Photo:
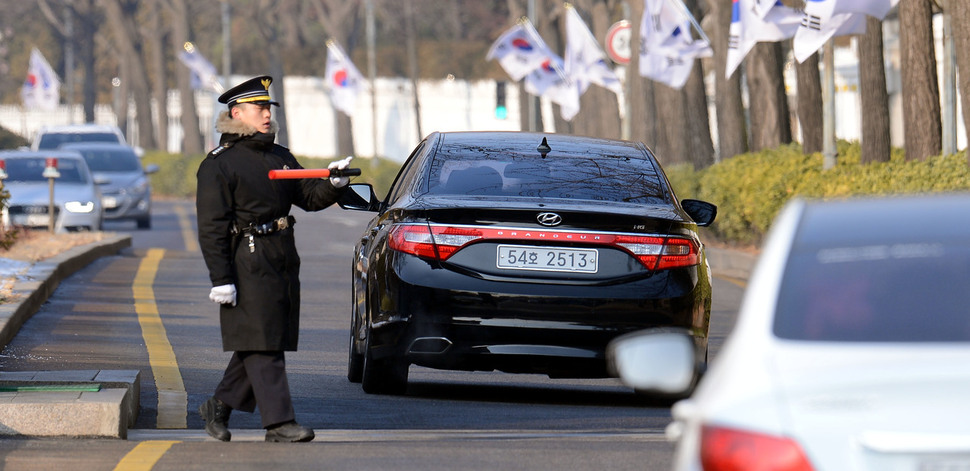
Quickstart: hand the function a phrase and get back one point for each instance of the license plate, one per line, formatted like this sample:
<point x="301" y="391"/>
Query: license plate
<point x="528" y="257"/>
<point x="31" y="220"/>
<point x="109" y="202"/>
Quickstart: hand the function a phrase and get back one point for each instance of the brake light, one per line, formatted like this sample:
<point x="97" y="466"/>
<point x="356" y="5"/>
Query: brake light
<point x="440" y="242"/>
<point x="659" y="253"/>
<point x="726" y="449"/>
<point x="437" y="242"/>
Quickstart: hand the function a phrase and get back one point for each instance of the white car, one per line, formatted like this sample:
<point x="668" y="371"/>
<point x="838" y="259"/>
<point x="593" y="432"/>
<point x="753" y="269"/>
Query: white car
<point x="77" y="198"/>
<point x="851" y="349"/>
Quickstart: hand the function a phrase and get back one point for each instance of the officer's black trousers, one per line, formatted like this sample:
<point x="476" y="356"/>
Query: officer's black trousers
<point x="258" y="379"/>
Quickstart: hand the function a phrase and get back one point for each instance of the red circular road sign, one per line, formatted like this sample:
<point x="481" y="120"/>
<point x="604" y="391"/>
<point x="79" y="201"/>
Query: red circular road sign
<point x="618" y="42"/>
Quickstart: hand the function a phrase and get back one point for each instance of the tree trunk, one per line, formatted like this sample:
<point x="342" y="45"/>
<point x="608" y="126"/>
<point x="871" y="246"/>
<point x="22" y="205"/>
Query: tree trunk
<point x="732" y="135"/>
<point x="876" y="141"/>
<point x="672" y="114"/>
<point x="156" y="57"/>
<point x="768" y="103"/>
<point x="87" y="25"/>
<point x="810" y="104"/>
<point x="599" y="112"/>
<point x="960" y="19"/>
<point x="128" y="43"/>
<point x="178" y="35"/>
<point x="922" y="127"/>
<point x="700" y="147"/>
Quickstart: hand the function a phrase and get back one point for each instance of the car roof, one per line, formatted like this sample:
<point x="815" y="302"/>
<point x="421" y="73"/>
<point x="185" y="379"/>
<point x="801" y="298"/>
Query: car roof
<point x="866" y="221"/>
<point x="79" y="128"/>
<point x="95" y="145"/>
<point x="528" y="142"/>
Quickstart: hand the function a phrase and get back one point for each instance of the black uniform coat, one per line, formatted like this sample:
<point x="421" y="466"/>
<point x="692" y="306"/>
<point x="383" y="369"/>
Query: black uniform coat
<point x="234" y="187"/>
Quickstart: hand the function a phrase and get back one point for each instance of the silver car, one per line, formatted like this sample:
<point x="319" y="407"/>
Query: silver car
<point x="850" y="350"/>
<point x="77" y="198"/>
<point x="127" y="195"/>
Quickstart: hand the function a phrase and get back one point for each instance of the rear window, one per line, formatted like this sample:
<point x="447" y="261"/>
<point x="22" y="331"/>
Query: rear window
<point x="114" y="160"/>
<point x="585" y="177"/>
<point x="32" y="170"/>
<point x="905" y="292"/>
<point x="54" y="140"/>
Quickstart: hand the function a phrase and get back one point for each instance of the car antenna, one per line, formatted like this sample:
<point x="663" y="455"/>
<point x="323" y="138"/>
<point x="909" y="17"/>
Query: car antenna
<point x="544" y="148"/>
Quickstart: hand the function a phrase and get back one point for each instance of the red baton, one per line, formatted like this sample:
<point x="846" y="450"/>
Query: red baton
<point x="312" y="173"/>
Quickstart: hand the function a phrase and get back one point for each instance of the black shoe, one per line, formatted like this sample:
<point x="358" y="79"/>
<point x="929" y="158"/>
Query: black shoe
<point x="289" y="432"/>
<point x="215" y="413"/>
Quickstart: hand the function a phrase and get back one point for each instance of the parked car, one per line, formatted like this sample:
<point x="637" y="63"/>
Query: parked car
<point x="52" y="137"/>
<point x="850" y="350"/>
<point x="77" y="198"/>
<point x="128" y="193"/>
<point x="524" y="253"/>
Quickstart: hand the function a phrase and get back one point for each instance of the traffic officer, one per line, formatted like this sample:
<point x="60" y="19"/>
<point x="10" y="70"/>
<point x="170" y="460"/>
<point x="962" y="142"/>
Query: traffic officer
<point x="246" y="237"/>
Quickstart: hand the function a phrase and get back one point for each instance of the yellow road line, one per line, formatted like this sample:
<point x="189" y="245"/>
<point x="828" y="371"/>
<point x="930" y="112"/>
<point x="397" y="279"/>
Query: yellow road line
<point x="736" y="281"/>
<point x="144" y="456"/>
<point x="188" y="235"/>
<point x="172" y="399"/>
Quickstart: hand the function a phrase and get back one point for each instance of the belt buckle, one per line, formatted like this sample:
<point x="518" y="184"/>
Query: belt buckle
<point x="282" y="223"/>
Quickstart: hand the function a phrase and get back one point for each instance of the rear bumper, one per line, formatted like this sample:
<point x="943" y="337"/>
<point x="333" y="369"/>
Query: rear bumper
<point x="442" y="319"/>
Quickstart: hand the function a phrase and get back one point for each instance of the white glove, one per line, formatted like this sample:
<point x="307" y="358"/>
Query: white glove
<point x="339" y="182"/>
<point x="225" y="294"/>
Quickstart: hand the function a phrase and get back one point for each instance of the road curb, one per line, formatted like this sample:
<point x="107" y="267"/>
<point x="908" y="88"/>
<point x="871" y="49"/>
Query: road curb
<point x="43" y="409"/>
<point x="34" y="287"/>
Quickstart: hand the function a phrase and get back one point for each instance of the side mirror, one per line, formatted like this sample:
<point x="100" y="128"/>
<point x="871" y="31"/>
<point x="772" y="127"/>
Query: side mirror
<point x="655" y="361"/>
<point x="360" y="197"/>
<point x="702" y="212"/>
<point x="150" y="169"/>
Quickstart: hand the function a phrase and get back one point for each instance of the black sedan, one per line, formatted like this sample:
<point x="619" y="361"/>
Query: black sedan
<point x="523" y="253"/>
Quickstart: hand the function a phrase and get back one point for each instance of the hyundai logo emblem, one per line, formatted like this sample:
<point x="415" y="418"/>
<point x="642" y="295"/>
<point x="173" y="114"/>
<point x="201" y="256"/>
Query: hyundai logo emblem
<point x="549" y="219"/>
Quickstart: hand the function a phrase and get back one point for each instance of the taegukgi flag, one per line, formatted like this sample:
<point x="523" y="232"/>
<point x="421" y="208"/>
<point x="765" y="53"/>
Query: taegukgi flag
<point x="824" y="19"/>
<point x="41" y="90"/>
<point x="585" y="61"/>
<point x="519" y="50"/>
<point x="550" y="82"/>
<point x="204" y="74"/>
<point x="668" y="50"/>
<point x="342" y="78"/>
<point x="747" y="28"/>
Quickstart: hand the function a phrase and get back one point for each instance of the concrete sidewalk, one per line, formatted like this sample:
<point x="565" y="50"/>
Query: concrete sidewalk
<point x="89" y="403"/>
<point x="105" y="403"/>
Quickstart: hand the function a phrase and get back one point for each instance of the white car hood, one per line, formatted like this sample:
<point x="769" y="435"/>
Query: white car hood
<point x="39" y="193"/>
<point x="874" y="406"/>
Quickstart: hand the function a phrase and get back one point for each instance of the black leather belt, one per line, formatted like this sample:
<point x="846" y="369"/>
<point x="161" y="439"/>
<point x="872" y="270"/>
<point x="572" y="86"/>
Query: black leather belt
<point x="275" y="225"/>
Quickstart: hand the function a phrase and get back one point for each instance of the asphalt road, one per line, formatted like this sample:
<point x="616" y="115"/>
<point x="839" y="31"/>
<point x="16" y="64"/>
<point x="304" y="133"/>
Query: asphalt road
<point x="447" y="420"/>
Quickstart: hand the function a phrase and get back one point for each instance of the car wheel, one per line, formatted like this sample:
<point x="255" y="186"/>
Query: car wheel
<point x="383" y="376"/>
<point x="355" y="360"/>
<point x="145" y="222"/>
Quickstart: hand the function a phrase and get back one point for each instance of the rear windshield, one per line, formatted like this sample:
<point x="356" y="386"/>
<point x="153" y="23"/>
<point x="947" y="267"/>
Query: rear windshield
<point x="586" y="177"/>
<point x="32" y="170"/>
<point x="110" y="160"/>
<point x="906" y="292"/>
<point x="54" y="140"/>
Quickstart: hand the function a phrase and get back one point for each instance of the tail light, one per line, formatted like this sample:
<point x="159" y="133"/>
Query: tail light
<point x="726" y="449"/>
<point x="439" y="242"/>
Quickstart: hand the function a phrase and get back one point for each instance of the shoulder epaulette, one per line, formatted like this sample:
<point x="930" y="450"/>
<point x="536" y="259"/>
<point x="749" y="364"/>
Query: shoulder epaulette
<point x="218" y="150"/>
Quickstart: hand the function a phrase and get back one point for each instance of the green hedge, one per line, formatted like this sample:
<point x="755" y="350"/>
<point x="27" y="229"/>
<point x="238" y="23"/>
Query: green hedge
<point x="750" y="189"/>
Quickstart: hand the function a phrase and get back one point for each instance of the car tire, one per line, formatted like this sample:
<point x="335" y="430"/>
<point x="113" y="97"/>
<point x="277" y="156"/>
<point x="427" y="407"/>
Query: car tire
<point x="144" y="222"/>
<point x="383" y="376"/>
<point x="358" y="315"/>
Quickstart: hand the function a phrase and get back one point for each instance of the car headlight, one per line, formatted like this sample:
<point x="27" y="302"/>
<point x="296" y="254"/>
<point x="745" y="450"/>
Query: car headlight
<point x="79" y="206"/>
<point x="138" y="187"/>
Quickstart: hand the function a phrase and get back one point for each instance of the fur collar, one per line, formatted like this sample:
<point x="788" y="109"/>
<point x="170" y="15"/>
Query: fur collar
<point x="226" y="125"/>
